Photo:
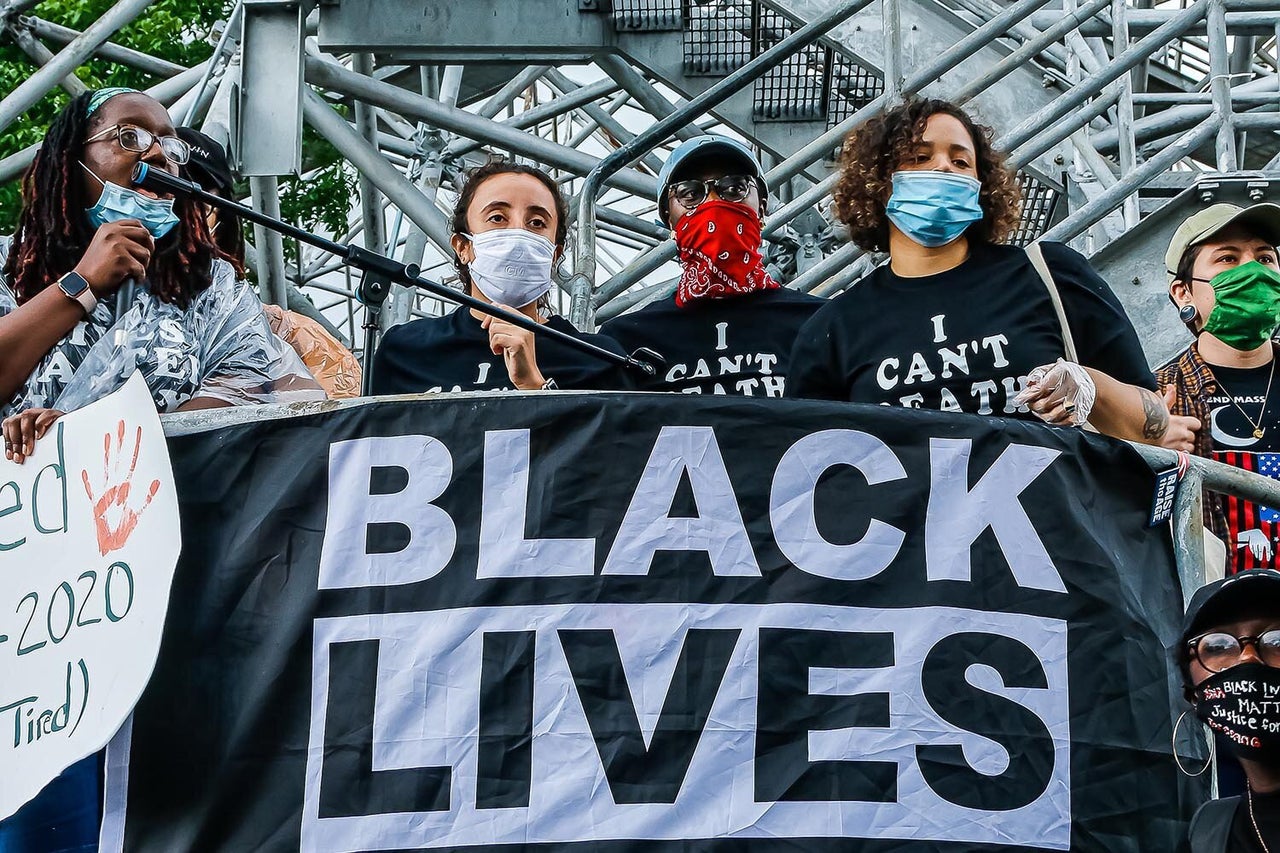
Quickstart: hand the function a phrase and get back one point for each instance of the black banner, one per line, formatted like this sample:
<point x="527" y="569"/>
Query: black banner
<point x="642" y="622"/>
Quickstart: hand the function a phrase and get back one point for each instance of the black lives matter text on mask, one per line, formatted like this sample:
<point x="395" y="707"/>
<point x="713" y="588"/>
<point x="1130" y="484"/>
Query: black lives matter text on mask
<point x="579" y="718"/>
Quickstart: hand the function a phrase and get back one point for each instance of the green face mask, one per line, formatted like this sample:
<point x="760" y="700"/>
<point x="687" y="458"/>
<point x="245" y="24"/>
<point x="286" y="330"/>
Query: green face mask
<point x="1247" y="306"/>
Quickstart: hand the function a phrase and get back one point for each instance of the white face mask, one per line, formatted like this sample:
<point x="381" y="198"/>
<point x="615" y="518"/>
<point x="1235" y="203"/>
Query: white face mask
<point x="511" y="266"/>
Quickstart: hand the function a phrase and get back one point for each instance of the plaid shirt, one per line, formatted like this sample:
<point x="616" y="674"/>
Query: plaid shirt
<point x="1193" y="378"/>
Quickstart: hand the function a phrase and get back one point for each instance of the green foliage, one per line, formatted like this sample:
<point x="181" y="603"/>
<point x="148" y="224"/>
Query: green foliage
<point x="179" y="31"/>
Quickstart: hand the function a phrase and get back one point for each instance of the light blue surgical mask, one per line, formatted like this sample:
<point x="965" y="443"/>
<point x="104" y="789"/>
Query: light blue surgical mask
<point x="117" y="202"/>
<point x="933" y="208"/>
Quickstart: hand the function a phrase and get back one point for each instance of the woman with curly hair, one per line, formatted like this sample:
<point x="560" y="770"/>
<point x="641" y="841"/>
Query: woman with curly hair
<point x="956" y="321"/>
<point x="102" y="279"/>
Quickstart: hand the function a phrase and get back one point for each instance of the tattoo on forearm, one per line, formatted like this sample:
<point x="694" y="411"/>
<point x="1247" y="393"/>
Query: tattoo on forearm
<point x="1157" y="416"/>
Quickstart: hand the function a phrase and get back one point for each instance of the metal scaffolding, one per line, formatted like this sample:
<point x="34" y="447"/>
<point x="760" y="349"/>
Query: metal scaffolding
<point x="1095" y="102"/>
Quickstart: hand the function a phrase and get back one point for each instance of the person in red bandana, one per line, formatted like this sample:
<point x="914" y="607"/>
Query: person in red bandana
<point x="728" y="327"/>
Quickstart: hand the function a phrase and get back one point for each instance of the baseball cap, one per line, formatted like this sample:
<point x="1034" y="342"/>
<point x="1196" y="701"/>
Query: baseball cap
<point x="702" y="149"/>
<point x="1262" y="219"/>
<point x="208" y="164"/>
<point x="1221" y="600"/>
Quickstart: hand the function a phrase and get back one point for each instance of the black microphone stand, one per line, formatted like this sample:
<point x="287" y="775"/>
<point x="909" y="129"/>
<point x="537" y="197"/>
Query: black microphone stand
<point x="377" y="274"/>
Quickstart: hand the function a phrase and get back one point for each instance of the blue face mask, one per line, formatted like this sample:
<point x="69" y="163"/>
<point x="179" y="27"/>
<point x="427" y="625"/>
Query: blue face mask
<point x="117" y="202"/>
<point x="933" y="208"/>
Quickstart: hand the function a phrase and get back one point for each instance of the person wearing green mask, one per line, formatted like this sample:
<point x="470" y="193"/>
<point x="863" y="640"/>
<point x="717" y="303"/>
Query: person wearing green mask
<point x="1221" y="390"/>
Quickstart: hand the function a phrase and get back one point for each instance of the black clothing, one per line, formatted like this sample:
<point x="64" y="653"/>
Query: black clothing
<point x="1224" y="826"/>
<point x="738" y="345"/>
<point x="451" y="353"/>
<point x="965" y="339"/>
<point x="1239" y="396"/>
<point x="1244" y="389"/>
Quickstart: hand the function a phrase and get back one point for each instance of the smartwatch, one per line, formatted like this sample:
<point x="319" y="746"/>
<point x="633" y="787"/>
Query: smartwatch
<point x="75" y="287"/>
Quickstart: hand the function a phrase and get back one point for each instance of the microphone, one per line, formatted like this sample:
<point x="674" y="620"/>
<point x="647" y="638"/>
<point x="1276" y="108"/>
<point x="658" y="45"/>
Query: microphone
<point x="125" y="295"/>
<point x="160" y="181"/>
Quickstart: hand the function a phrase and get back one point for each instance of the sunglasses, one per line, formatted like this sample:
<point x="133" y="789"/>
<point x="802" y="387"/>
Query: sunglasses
<point x="692" y="193"/>
<point x="1218" y="650"/>
<point x="139" y="141"/>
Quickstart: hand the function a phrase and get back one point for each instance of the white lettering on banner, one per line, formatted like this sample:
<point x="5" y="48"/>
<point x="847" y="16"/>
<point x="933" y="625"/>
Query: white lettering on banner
<point x="504" y="552"/>
<point x="792" y="504"/>
<point x="345" y="559"/>
<point x="717" y="529"/>
<point x="761" y="749"/>
<point x="954" y="518"/>
<point x="957" y="515"/>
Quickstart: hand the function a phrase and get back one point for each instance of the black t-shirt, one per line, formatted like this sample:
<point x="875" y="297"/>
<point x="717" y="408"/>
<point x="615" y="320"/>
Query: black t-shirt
<point x="451" y="353"/>
<point x="1239" y="399"/>
<point x="1266" y="810"/>
<point x="1242" y="393"/>
<point x="965" y="339"/>
<point x="738" y="345"/>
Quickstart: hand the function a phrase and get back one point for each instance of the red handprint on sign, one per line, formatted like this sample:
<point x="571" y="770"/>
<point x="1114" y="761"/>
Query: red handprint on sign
<point x="114" y="518"/>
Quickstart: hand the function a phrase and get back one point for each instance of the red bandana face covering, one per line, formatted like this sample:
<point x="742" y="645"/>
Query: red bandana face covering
<point x="719" y="245"/>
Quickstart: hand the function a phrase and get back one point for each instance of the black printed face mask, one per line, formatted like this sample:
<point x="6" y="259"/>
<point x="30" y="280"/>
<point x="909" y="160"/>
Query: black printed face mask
<point x="1243" y="705"/>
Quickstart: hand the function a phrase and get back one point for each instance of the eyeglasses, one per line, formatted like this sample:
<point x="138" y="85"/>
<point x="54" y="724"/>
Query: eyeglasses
<point x="1218" y="651"/>
<point x="693" y="192"/>
<point x="139" y="141"/>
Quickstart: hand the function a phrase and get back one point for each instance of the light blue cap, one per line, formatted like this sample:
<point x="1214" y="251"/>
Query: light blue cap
<point x="704" y="146"/>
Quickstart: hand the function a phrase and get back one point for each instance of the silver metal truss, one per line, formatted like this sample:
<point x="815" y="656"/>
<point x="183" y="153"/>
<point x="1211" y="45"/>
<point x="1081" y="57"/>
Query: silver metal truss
<point x="1096" y="101"/>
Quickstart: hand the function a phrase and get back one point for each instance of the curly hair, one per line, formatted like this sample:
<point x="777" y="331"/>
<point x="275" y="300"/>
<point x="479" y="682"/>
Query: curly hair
<point x="476" y="177"/>
<point x="53" y="231"/>
<point x="873" y="151"/>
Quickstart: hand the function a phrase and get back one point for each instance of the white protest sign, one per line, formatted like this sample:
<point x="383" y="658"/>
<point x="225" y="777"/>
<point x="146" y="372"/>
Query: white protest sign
<point x="89" y="540"/>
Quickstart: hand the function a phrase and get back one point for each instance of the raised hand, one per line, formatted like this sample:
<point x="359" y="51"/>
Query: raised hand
<point x="518" y="351"/>
<point x="114" y="518"/>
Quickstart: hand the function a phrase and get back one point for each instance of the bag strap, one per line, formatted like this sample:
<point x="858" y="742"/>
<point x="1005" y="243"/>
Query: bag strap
<point x="1036" y="256"/>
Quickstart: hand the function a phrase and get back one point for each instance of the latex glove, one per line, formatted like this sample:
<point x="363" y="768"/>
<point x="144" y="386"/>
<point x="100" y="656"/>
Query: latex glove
<point x="1061" y="393"/>
<point x="1257" y="543"/>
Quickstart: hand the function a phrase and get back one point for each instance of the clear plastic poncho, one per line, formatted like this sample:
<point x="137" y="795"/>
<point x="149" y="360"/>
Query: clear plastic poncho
<point x="219" y="347"/>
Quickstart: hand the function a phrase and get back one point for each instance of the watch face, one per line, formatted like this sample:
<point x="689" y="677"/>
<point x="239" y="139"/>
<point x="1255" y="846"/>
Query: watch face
<point x="73" y="284"/>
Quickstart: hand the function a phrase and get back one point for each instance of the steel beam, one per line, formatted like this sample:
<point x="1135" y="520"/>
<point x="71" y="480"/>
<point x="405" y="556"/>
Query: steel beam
<point x="1219" y="87"/>
<point x="1142" y="22"/>
<point x="107" y="50"/>
<point x="271" y="278"/>
<point x="42" y="56"/>
<point x="369" y="161"/>
<point x="371" y="205"/>
<point x="1124" y="113"/>
<point x="1073" y="99"/>
<point x="498" y="102"/>
<point x="328" y="74"/>
<point x="576" y="98"/>
<point x="1093" y="212"/>
<point x="643" y="92"/>
<point x="30" y="91"/>
<point x="950" y="58"/>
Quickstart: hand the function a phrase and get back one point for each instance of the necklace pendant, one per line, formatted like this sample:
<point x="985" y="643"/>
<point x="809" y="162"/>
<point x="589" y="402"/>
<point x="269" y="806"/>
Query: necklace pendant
<point x="1257" y="433"/>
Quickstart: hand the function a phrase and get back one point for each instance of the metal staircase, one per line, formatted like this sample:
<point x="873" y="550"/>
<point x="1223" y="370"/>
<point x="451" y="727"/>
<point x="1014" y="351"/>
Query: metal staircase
<point x="1111" y="112"/>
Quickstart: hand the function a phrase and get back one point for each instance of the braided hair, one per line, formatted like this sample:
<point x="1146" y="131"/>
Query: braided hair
<point x="53" y="231"/>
